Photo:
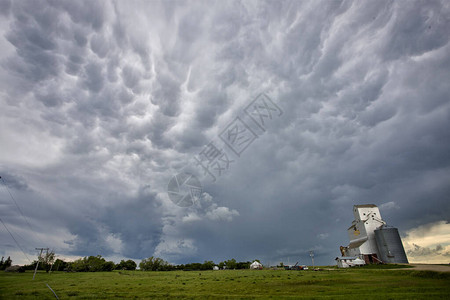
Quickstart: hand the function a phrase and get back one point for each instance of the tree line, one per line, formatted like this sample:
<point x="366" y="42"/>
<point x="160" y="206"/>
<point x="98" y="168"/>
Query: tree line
<point x="158" y="264"/>
<point x="99" y="264"/>
<point x="84" y="264"/>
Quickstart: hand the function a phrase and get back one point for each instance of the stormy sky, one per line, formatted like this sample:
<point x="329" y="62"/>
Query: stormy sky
<point x="102" y="102"/>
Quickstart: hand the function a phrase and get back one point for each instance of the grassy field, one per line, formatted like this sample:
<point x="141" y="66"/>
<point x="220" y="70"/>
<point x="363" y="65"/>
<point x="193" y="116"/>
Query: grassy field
<point x="236" y="284"/>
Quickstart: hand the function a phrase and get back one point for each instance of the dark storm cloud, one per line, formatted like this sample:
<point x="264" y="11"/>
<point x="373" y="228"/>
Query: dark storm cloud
<point x="5" y="7"/>
<point x="139" y="229"/>
<point x="13" y="182"/>
<point x="136" y="223"/>
<point x="104" y="101"/>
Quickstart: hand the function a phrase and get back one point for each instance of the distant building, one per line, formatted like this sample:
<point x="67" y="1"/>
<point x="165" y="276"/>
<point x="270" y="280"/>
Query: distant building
<point x="256" y="266"/>
<point x="371" y="239"/>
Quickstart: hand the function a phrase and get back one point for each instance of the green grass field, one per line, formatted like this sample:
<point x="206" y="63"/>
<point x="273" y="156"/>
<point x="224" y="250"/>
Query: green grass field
<point x="237" y="284"/>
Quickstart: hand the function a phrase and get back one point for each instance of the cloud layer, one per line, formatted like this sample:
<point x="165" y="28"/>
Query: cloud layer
<point x="102" y="102"/>
<point x="428" y="243"/>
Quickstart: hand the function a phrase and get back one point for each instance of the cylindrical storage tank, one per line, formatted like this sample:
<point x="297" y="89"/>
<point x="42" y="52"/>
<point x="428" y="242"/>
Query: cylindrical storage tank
<point x="390" y="245"/>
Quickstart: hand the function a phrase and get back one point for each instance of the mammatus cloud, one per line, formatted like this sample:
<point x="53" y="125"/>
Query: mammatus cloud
<point x="102" y="102"/>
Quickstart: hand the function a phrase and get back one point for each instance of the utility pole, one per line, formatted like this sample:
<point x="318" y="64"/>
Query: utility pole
<point x="39" y="259"/>
<point x="311" y="253"/>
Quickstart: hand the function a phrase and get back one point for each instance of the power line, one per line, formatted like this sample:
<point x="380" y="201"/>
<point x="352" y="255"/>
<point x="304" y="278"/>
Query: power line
<point x="14" y="200"/>
<point x="18" y="235"/>
<point x="18" y="245"/>
<point x="20" y="210"/>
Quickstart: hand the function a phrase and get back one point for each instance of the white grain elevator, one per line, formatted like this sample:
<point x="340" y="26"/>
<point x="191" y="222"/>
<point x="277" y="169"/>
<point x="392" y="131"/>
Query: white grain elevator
<point x="371" y="239"/>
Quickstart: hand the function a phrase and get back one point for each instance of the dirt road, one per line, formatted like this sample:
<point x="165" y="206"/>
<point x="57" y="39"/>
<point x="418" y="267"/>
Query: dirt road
<point x="437" y="268"/>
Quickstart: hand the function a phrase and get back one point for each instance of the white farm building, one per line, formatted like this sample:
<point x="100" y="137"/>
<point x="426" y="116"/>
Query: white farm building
<point x="346" y="262"/>
<point x="256" y="265"/>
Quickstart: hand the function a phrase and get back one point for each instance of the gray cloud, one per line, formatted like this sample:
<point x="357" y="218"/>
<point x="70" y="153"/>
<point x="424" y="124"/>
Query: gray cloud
<point x="427" y="251"/>
<point x="102" y="102"/>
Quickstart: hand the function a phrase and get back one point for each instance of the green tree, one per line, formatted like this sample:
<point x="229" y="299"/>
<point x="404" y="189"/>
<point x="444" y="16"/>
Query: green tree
<point x="5" y="264"/>
<point x="243" y="265"/>
<point x="60" y="265"/>
<point x="95" y="263"/>
<point x="79" y="265"/>
<point x="231" y="263"/>
<point x="208" y="265"/>
<point x="126" y="265"/>
<point x="47" y="259"/>
<point x="108" y="266"/>
<point x="154" y="264"/>
<point x="92" y="264"/>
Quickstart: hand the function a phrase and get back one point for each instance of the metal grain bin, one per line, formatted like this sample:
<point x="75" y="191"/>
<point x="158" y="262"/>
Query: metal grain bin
<point x="390" y="245"/>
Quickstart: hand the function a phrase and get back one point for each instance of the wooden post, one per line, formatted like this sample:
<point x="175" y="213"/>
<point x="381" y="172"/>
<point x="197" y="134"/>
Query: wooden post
<point x="39" y="259"/>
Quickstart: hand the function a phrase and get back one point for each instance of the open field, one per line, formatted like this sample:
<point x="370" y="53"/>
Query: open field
<point x="236" y="284"/>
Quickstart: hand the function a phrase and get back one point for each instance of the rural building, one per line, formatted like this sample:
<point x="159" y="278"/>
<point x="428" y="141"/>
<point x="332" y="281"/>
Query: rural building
<point x="256" y="266"/>
<point x="371" y="239"/>
<point x="346" y="262"/>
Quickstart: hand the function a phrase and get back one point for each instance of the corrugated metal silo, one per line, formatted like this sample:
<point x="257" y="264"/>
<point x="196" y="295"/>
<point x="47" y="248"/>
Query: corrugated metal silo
<point x="390" y="245"/>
